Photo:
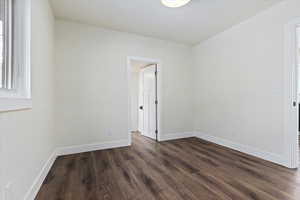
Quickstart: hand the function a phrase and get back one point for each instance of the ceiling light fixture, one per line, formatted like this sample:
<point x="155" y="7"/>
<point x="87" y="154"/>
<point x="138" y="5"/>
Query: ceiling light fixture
<point x="175" y="3"/>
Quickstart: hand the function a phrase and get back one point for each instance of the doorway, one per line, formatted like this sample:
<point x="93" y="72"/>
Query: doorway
<point x="298" y="81"/>
<point x="143" y="90"/>
<point x="292" y="94"/>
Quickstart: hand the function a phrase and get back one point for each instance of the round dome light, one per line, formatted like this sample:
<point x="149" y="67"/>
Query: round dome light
<point x="175" y="3"/>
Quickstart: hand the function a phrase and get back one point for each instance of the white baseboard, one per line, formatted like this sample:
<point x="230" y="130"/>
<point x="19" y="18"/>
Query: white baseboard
<point x="175" y="136"/>
<point x="34" y="189"/>
<point x="122" y="143"/>
<point x="275" y="158"/>
<point x="91" y="147"/>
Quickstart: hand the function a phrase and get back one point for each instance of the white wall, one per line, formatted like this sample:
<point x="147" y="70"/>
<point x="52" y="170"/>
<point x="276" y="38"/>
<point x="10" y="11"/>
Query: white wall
<point x="27" y="137"/>
<point x="239" y="80"/>
<point x="91" y="82"/>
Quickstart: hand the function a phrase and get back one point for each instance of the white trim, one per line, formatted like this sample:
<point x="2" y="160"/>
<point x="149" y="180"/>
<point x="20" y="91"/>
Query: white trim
<point x="91" y="147"/>
<point x="8" y="104"/>
<point x="291" y="146"/>
<point x="275" y="158"/>
<point x="175" y="136"/>
<point x="159" y="92"/>
<point x="35" y="187"/>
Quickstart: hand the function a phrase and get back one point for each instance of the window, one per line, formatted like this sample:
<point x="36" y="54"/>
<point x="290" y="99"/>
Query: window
<point x="6" y="45"/>
<point x="14" y="54"/>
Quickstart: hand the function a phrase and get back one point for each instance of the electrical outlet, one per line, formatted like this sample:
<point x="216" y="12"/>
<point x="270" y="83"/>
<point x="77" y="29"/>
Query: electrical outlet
<point x="108" y="132"/>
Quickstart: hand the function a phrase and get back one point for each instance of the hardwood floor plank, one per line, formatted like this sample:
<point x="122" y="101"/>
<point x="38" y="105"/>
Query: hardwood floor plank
<point x="255" y="172"/>
<point x="88" y="177"/>
<point x="107" y="186"/>
<point x="184" y="169"/>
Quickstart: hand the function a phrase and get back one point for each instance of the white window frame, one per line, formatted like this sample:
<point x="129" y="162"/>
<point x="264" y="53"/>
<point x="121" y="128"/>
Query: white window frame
<point x="20" y="97"/>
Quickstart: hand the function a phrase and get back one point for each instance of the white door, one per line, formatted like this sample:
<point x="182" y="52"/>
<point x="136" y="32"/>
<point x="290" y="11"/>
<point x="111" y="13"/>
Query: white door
<point x="149" y="98"/>
<point x="141" y="103"/>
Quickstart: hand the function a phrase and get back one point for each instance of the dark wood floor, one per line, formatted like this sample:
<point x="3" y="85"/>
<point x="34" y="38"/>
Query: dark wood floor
<point x="185" y="169"/>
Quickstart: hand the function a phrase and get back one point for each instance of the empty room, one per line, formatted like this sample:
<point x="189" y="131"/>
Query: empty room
<point x="149" y="99"/>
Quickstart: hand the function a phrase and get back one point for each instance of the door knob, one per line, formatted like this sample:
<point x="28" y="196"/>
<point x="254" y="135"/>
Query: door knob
<point x="141" y="107"/>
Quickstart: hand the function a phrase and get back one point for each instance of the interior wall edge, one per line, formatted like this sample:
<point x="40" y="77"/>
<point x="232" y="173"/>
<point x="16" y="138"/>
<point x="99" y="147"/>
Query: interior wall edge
<point x="175" y="136"/>
<point x="268" y="156"/>
<point x="68" y="150"/>
<point x="38" y="181"/>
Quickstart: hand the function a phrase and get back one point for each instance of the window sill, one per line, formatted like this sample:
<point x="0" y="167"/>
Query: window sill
<point x="13" y="104"/>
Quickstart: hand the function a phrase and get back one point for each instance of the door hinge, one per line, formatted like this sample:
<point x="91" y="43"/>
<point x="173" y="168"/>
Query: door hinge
<point x="155" y="73"/>
<point x="156" y="102"/>
<point x="294" y="103"/>
<point x="156" y="131"/>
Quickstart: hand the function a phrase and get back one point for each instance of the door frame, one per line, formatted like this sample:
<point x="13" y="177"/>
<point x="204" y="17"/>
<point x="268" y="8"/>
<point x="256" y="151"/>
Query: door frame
<point x="158" y="90"/>
<point x="291" y="113"/>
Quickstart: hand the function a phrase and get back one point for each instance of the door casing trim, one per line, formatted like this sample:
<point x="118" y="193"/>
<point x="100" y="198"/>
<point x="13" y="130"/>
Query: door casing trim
<point x="291" y="143"/>
<point x="159" y="92"/>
